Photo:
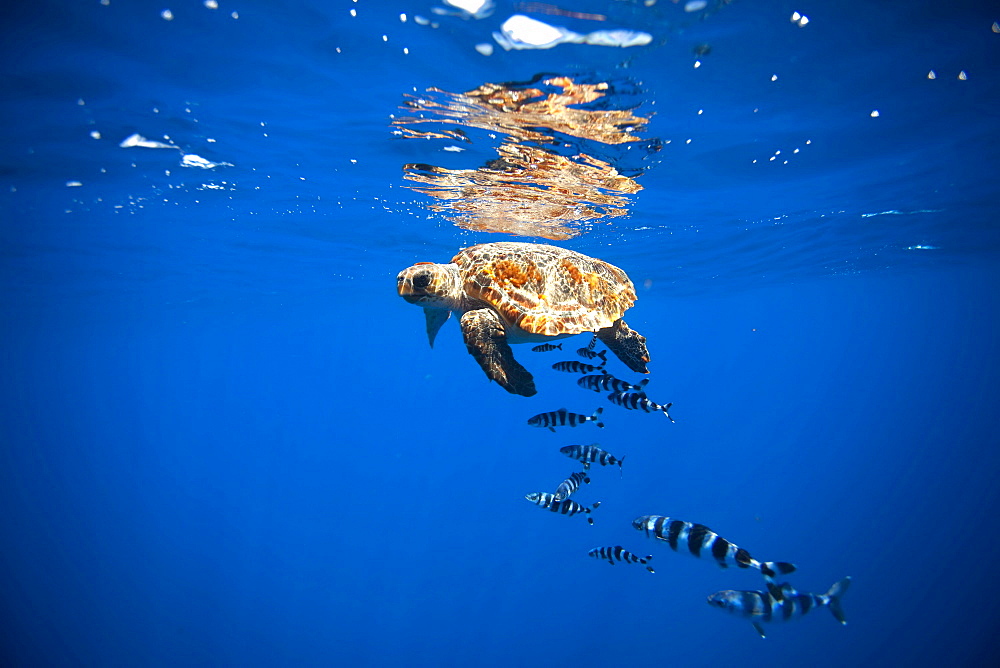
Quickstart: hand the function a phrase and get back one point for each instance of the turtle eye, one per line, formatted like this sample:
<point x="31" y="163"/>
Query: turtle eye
<point x="422" y="280"/>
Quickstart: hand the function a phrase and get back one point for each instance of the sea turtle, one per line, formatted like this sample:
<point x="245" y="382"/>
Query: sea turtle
<point x="509" y="292"/>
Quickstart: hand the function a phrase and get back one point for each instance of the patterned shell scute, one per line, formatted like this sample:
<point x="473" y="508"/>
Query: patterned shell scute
<point x="545" y="289"/>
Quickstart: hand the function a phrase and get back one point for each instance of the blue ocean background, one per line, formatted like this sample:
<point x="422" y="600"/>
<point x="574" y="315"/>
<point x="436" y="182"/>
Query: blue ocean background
<point x="224" y="440"/>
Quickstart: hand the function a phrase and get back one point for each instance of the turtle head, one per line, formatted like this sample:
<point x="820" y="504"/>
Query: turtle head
<point x="430" y="285"/>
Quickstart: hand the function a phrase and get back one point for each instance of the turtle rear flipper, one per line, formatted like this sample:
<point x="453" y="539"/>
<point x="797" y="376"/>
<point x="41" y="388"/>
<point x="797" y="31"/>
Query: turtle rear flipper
<point x="486" y="339"/>
<point x="627" y="344"/>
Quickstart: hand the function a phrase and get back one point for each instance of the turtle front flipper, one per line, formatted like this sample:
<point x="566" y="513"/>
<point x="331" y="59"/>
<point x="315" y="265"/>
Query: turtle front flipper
<point x="435" y="317"/>
<point x="486" y="339"/>
<point x="627" y="344"/>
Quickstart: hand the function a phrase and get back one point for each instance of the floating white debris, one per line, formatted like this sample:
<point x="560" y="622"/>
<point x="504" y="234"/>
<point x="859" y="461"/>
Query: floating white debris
<point x="167" y="15"/>
<point x="931" y="75"/>
<point x="996" y="27"/>
<point x="874" y="113"/>
<point x="799" y="19"/>
<point x="523" y="32"/>
<point x="454" y="149"/>
<point x="95" y="134"/>
<point x="211" y="4"/>
<point x="73" y="184"/>
<point x="622" y="38"/>
<point x="477" y="9"/>
<point x="485" y="48"/>
<point x="140" y="141"/>
<point x="192" y="160"/>
<point x="695" y="5"/>
<point x="962" y="75"/>
<point x="235" y="15"/>
<point x="922" y="247"/>
<point x="697" y="64"/>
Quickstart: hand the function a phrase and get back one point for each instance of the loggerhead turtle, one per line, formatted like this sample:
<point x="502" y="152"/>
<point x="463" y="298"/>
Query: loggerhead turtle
<point x="509" y="292"/>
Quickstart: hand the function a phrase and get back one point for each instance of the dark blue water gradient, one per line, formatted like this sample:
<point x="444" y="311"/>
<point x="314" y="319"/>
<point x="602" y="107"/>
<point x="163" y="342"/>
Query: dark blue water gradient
<point x="224" y="439"/>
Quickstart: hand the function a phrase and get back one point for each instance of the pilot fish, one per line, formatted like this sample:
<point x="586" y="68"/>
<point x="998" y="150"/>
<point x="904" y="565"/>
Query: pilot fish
<point x="546" y="347"/>
<point x="639" y="401"/>
<point x="698" y="539"/>
<point x="761" y="606"/>
<point x="590" y="353"/>
<point x="591" y="453"/>
<point x="618" y="553"/>
<point x="570" y="485"/>
<point x="562" y="417"/>
<point x="566" y="506"/>
<point x="605" y="382"/>
<point x="576" y="366"/>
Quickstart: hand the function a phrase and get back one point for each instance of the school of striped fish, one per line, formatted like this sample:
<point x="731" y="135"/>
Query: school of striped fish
<point x="778" y="601"/>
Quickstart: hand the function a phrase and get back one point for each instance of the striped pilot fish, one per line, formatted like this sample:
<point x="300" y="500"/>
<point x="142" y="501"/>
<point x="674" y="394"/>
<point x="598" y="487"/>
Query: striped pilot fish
<point x="698" y="539"/>
<point x="591" y="453"/>
<point x="638" y="401"/>
<point x="605" y="382"/>
<point x="570" y="485"/>
<point x="566" y="506"/>
<point x="590" y="353"/>
<point x="618" y="553"/>
<point x="762" y="606"/>
<point x="562" y="417"/>
<point x="546" y="347"/>
<point x="576" y="366"/>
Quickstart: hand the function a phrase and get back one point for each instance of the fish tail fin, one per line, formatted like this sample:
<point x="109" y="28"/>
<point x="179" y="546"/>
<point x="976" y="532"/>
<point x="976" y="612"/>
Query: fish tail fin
<point x="597" y="504"/>
<point x="620" y="473"/>
<point x="558" y="345"/>
<point x="596" y="417"/>
<point x="650" y="569"/>
<point x="666" y="407"/>
<point x="833" y="597"/>
<point x="641" y="384"/>
<point x="604" y="357"/>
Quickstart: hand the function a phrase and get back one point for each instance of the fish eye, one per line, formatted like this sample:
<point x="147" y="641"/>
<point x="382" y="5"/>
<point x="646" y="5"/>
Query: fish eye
<point x="422" y="280"/>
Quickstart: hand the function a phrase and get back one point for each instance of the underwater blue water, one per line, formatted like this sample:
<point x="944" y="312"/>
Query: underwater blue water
<point x="224" y="439"/>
